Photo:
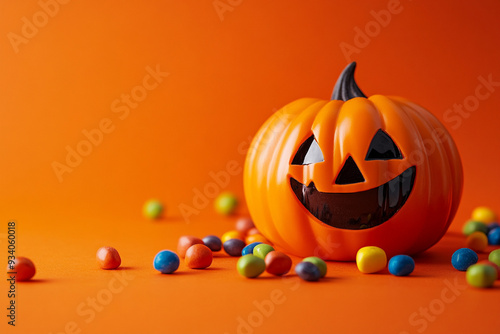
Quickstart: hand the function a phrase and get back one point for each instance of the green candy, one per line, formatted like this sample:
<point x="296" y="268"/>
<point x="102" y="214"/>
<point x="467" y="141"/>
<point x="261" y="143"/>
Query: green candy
<point x="318" y="263"/>
<point x="495" y="257"/>
<point x="250" y="266"/>
<point x="226" y="203"/>
<point x="472" y="226"/>
<point x="261" y="250"/>
<point x="481" y="275"/>
<point x="152" y="209"/>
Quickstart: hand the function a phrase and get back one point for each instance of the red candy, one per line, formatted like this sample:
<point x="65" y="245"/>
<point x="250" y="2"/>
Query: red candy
<point x="185" y="242"/>
<point x="198" y="257"/>
<point x="108" y="258"/>
<point x="278" y="263"/>
<point x="23" y="267"/>
<point x="244" y="224"/>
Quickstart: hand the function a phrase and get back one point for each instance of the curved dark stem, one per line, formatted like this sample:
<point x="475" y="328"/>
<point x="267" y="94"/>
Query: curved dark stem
<point x="346" y="87"/>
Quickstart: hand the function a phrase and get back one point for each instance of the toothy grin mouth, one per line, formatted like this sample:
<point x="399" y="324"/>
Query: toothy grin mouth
<point x="358" y="210"/>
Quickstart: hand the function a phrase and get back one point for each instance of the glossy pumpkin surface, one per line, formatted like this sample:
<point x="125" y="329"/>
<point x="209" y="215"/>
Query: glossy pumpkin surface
<point x="325" y="178"/>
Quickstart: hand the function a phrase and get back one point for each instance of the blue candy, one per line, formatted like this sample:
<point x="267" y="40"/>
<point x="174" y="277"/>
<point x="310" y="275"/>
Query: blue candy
<point x="494" y="236"/>
<point x="308" y="271"/>
<point x="492" y="226"/>
<point x="213" y="242"/>
<point x="249" y="248"/>
<point x="401" y="265"/>
<point x="166" y="262"/>
<point x="463" y="258"/>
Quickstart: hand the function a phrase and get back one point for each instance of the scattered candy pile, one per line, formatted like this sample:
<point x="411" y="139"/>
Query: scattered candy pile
<point x="257" y="255"/>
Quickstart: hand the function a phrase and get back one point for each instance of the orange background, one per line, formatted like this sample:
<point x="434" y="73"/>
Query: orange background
<point x="225" y="78"/>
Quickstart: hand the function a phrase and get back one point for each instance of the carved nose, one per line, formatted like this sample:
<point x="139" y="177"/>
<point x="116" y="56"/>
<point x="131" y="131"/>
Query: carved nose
<point x="349" y="173"/>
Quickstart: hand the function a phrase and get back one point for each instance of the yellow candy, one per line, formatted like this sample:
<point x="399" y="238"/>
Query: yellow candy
<point x="233" y="234"/>
<point x="371" y="259"/>
<point x="484" y="215"/>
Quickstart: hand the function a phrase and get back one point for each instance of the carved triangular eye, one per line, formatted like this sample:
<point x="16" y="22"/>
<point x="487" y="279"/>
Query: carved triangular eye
<point x="383" y="147"/>
<point x="308" y="153"/>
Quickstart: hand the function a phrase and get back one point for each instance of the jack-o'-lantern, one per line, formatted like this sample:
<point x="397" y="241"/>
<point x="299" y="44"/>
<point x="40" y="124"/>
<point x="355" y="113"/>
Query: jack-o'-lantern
<point x="326" y="178"/>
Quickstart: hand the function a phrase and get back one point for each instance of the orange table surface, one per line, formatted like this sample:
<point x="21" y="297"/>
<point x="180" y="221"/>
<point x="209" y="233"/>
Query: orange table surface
<point x="71" y="295"/>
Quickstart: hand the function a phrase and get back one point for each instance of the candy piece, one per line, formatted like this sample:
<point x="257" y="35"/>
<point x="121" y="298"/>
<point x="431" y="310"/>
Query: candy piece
<point x="234" y="247"/>
<point x="308" y="271"/>
<point x="249" y="248"/>
<point x="250" y="266"/>
<point x="463" y="258"/>
<point x="244" y="224"/>
<point x="494" y="236"/>
<point x="477" y="241"/>
<point x="233" y="234"/>
<point x="166" y="262"/>
<point x="401" y="265"/>
<point x="226" y="203"/>
<point x="261" y="250"/>
<point x="185" y="242"/>
<point x="319" y="263"/>
<point x="198" y="257"/>
<point x="23" y="267"/>
<point x="472" y="226"/>
<point x="493" y="264"/>
<point x="492" y="226"/>
<point x="371" y="259"/>
<point x="256" y="238"/>
<point x="153" y="209"/>
<point x="484" y="215"/>
<point x="481" y="275"/>
<point x="108" y="258"/>
<point x="212" y="242"/>
<point x="278" y="263"/>
<point x="253" y="231"/>
<point x="495" y="257"/>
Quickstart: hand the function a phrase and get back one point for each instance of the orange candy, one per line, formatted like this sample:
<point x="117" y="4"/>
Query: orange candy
<point x="244" y="224"/>
<point x="198" y="257"/>
<point x="24" y="268"/>
<point x="278" y="263"/>
<point x="477" y="241"/>
<point x="256" y="238"/>
<point x="233" y="234"/>
<point x="108" y="258"/>
<point x="185" y="242"/>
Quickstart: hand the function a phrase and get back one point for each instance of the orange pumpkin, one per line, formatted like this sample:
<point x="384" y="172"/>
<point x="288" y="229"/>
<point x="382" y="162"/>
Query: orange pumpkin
<point x="326" y="178"/>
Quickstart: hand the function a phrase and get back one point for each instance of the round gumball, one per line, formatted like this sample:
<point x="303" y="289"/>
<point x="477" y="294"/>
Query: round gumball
<point x="226" y="203"/>
<point x="185" y="242"/>
<point x="244" y="224"/>
<point x="278" y="263"/>
<point x="153" y="209"/>
<point x="371" y="259"/>
<point x="401" y="265"/>
<point x="481" y="275"/>
<point x="23" y="268"/>
<point x="250" y="266"/>
<point x="166" y="262"/>
<point x="213" y="242"/>
<point x="198" y="257"/>
<point x="234" y="247"/>
<point x="319" y="263"/>
<point x="477" y="241"/>
<point x="108" y="258"/>
<point x="463" y="258"/>
<point x="308" y="271"/>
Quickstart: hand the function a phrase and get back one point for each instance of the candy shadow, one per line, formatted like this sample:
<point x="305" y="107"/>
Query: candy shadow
<point x="36" y="280"/>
